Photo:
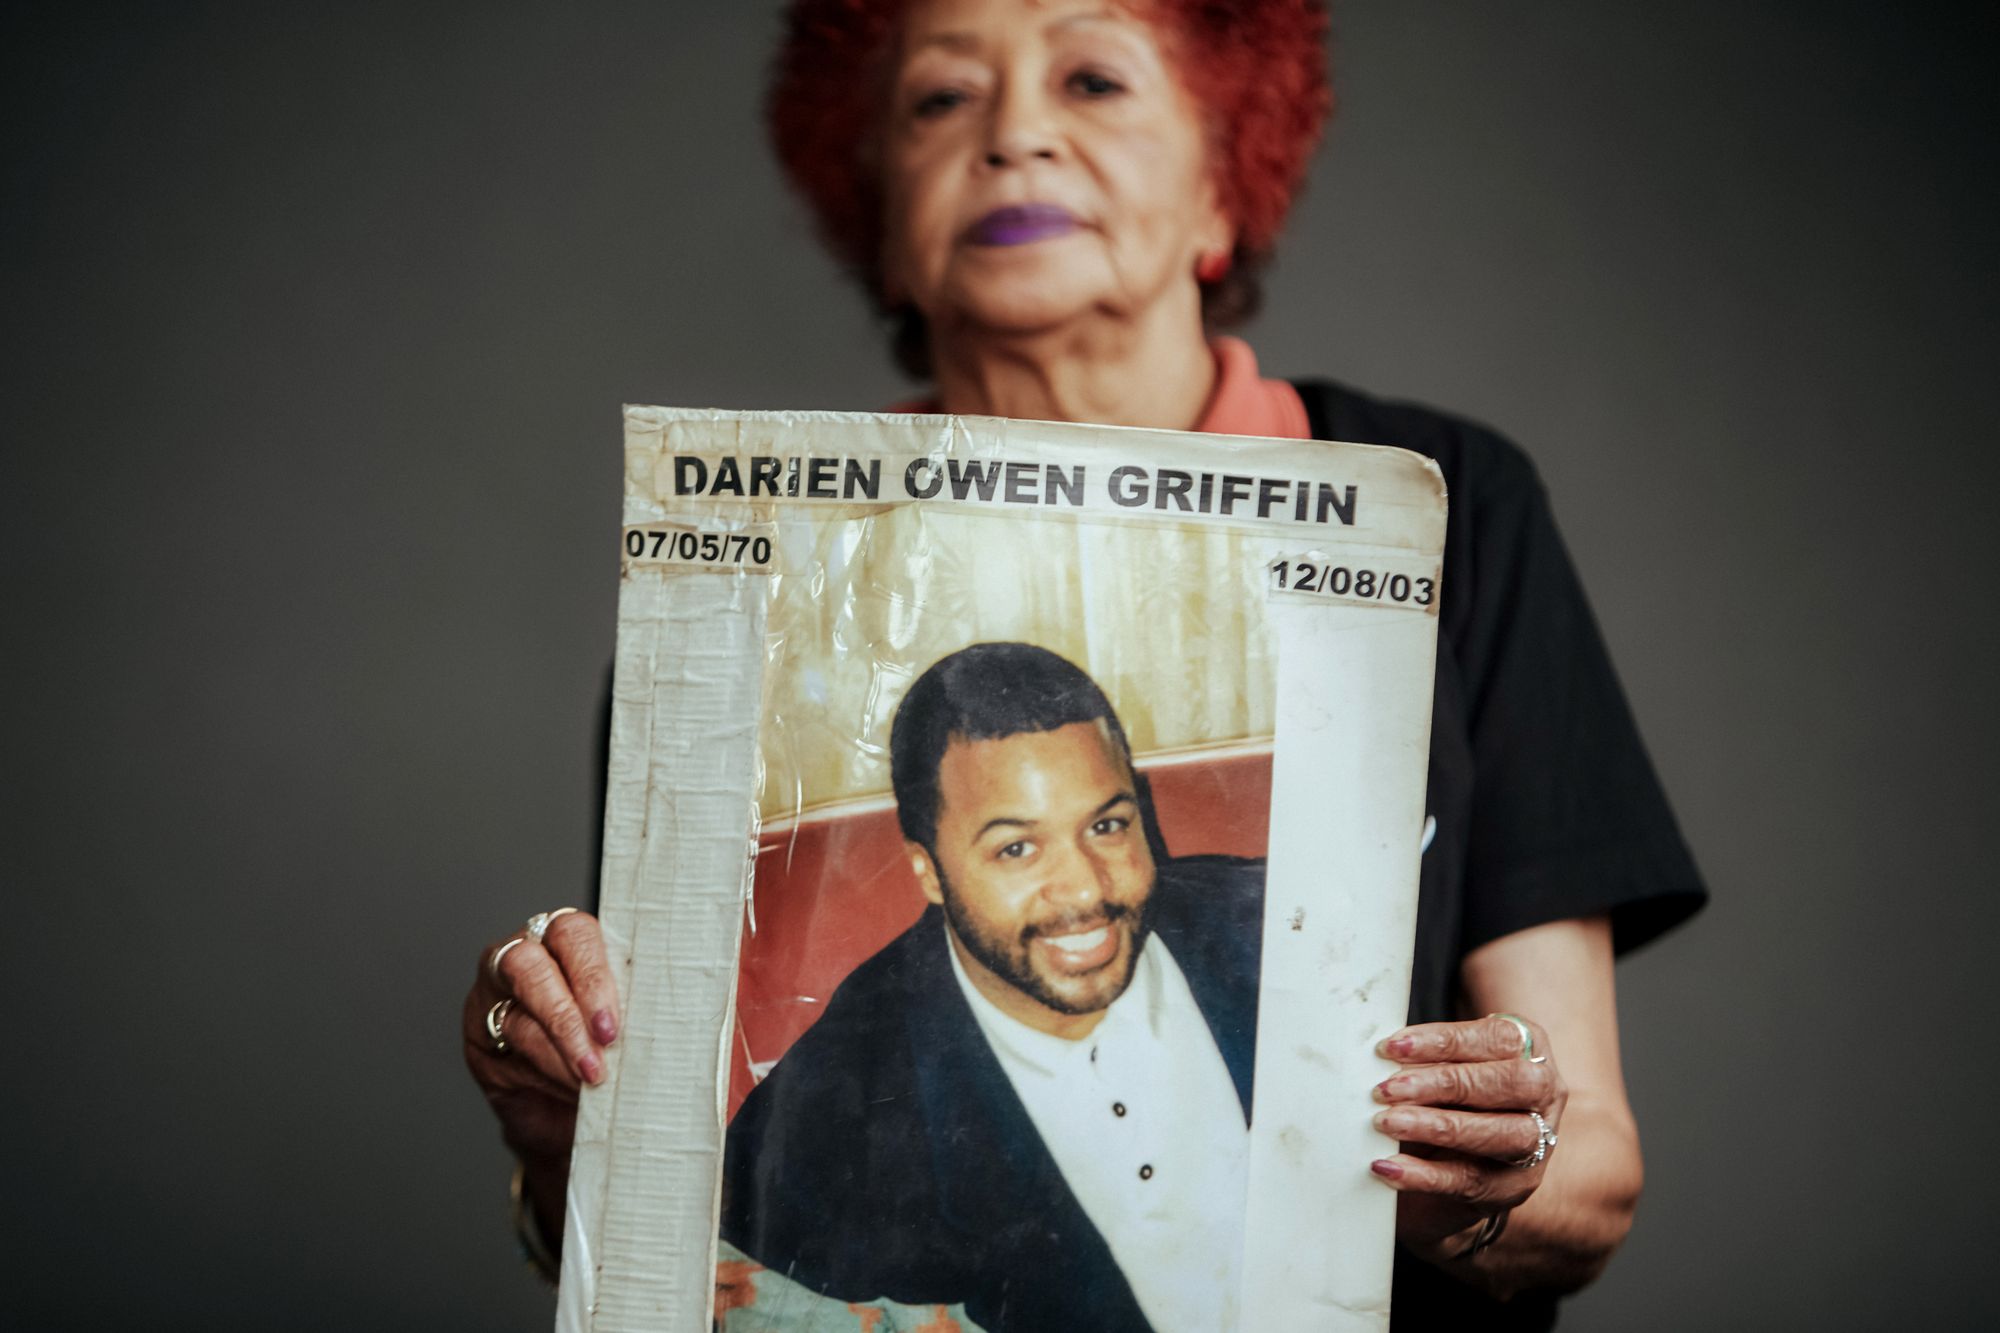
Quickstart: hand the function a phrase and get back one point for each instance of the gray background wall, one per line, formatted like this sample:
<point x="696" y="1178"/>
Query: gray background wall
<point x="316" y="325"/>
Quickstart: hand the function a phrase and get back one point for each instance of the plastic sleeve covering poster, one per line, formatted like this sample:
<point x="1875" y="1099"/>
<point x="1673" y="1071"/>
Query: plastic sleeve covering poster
<point x="1010" y="863"/>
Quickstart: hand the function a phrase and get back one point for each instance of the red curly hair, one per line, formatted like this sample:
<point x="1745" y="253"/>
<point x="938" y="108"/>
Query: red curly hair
<point x="1260" y="76"/>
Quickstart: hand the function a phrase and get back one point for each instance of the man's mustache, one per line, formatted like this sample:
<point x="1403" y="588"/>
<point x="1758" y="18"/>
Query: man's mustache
<point x="1076" y="923"/>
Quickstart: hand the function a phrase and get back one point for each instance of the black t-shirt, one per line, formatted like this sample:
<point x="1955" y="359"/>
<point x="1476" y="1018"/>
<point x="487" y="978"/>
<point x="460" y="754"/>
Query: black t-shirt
<point x="1547" y="808"/>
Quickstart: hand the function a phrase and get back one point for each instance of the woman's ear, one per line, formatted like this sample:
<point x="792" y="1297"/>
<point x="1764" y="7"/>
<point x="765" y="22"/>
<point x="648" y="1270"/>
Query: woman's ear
<point x="1220" y="239"/>
<point x="1215" y="240"/>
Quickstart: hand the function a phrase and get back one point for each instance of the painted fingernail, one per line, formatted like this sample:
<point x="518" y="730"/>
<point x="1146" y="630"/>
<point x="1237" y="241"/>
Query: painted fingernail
<point x="1391" y="1088"/>
<point x="1398" y="1046"/>
<point x="592" y="1068"/>
<point x="1388" y="1121"/>
<point x="1386" y="1169"/>
<point x="604" y="1027"/>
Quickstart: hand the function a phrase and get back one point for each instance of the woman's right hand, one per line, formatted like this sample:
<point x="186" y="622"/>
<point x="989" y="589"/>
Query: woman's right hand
<point x="564" y="1013"/>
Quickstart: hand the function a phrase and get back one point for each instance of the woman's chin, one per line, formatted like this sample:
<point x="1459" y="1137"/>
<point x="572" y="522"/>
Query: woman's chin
<point x="1022" y="290"/>
<point x="1019" y="310"/>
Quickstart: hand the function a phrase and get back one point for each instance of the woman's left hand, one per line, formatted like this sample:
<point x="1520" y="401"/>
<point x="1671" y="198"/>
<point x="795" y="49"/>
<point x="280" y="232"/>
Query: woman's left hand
<point x="1461" y="1109"/>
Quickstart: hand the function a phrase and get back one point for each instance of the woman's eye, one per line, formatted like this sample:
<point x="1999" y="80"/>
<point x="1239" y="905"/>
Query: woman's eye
<point x="1093" y="84"/>
<point x="1111" y="824"/>
<point x="1013" y="851"/>
<point x="937" y="102"/>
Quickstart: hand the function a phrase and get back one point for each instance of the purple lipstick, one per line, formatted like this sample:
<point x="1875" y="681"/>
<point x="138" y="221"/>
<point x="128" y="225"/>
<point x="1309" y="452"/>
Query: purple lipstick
<point x="1021" y="224"/>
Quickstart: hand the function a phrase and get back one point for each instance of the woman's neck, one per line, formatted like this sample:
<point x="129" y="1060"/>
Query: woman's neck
<point x="1153" y="372"/>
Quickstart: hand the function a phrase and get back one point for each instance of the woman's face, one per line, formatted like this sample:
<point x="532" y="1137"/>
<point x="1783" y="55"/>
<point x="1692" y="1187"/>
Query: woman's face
<point x="1042" y="163"/>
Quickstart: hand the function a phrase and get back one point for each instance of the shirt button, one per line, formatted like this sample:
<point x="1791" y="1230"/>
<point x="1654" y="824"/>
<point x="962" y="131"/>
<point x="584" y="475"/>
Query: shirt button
<point x="1118" y="1108"/>
<point x="1145" y="1173"/>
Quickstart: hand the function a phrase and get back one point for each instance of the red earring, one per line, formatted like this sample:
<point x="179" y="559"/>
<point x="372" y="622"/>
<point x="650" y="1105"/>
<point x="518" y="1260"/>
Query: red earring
<point x="1212" y="267"/>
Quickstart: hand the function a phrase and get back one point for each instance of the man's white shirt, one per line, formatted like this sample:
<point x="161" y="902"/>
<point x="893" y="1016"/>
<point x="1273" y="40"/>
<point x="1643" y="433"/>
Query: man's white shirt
<point x="1144" y="1121"/>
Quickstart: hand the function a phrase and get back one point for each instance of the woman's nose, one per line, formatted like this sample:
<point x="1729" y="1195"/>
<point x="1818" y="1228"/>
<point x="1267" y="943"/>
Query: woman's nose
<point x="1020" y="129"/>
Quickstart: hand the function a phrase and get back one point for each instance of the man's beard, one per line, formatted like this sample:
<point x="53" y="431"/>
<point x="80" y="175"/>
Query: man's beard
<point x="1009" y="959"/>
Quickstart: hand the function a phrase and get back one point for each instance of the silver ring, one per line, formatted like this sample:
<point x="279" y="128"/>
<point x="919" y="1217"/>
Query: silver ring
<point x="493" y="961"/>
<point x="539" y="923"/>
<point x="1527" y="1039"/>
<point x="1545" y="1143"/>
<point x="496" y="1021"/>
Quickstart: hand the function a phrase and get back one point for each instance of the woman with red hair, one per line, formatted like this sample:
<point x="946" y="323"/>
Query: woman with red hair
<point x="1256" y="95"/>
<point x="1059" y="205"/>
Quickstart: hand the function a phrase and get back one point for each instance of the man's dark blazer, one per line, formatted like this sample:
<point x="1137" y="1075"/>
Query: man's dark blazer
<point x="887" y="1154"/>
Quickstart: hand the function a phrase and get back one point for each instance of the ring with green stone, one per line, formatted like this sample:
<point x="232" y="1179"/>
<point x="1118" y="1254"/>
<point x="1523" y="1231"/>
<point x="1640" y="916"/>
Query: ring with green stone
<point x="1527" y="1039"/>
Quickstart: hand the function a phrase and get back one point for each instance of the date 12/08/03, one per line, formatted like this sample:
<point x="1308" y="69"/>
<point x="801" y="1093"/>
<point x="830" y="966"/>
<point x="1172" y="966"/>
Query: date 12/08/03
<point x="1365" y="585"/>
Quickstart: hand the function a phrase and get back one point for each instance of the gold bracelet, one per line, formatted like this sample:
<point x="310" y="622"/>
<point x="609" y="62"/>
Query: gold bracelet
<point x="528" y="1231"/>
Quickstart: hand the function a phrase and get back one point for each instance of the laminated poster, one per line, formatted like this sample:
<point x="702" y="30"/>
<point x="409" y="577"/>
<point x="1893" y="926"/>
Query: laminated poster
<point x="1010" y="861"/>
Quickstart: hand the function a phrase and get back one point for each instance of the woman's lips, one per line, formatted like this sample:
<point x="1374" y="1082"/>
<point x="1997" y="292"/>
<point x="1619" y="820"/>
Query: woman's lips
<point x="1021" y="224"/>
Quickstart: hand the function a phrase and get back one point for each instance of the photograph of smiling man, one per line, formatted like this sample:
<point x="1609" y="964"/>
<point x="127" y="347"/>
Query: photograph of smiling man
<point x="1034" y="1100"/>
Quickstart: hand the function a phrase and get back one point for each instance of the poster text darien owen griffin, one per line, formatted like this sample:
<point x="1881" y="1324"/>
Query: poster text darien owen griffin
<point x="992" y="481"/>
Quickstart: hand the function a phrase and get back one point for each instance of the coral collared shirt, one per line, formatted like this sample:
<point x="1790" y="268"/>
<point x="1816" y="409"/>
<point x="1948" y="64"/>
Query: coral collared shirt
<point x="1244" y="403"/>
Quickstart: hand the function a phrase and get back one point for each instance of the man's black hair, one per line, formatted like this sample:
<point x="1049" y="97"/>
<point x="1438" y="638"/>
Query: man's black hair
<point x="986" y="692"/>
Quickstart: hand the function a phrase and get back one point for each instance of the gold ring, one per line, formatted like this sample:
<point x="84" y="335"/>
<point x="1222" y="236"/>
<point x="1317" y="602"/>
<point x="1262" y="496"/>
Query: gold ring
<point x="496" y="1022"/>
<point x="493" y="963"/>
